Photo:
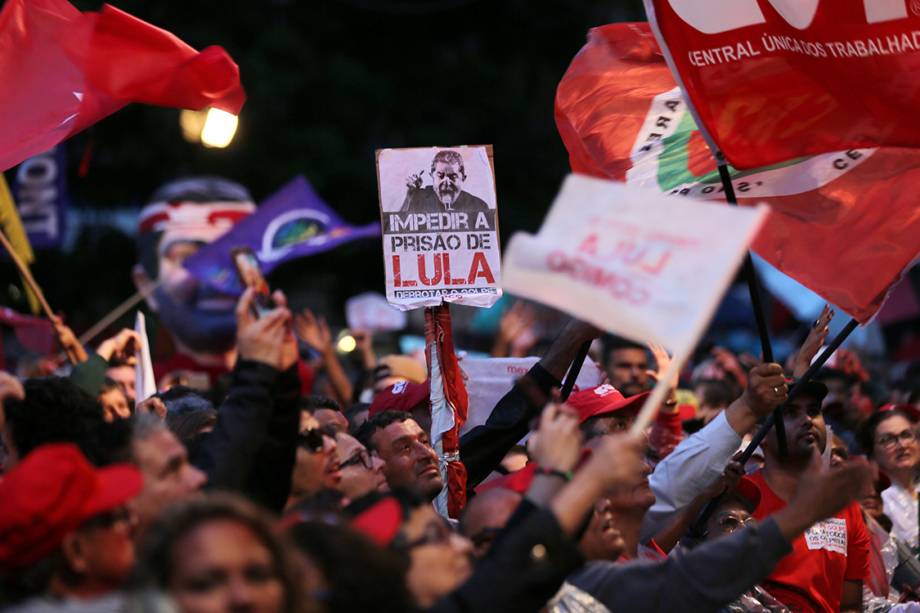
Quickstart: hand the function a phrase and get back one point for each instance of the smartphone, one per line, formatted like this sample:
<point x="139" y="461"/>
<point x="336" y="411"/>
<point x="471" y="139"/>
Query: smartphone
<point x="250" y="274"/>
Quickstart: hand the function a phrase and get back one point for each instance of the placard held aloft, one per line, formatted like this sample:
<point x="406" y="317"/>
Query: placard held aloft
<point x="632" y="261"/>
<point x="440" y="226"/>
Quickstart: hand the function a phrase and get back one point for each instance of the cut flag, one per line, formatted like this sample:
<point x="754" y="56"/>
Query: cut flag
<point x="12" y="227"/>
<point x="64" y="70"/>
<point x="292" y="223"/>
<point x="844" y="224"/>
<point x="449" y="408"/>
<point x="145" y="384"/>
<point x="773" y="80"/>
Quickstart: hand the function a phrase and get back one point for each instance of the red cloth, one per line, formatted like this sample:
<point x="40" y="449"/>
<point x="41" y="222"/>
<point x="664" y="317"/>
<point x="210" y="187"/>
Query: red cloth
<point x="811" y="577"/>
<point x="666" y="434"/>
<point x="621" y="117"/>
<point x="64" y="70"/>
<point x="769" y="104"/>
<point x="439" y="339"/>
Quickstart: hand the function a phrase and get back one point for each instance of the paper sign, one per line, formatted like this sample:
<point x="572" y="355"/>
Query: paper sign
<point x="632" y="261"/>
<point x="488" y="379"/>
<point x="372" y="312"/>
<point x="440" y="226"/>
<point x="145" y="384"/>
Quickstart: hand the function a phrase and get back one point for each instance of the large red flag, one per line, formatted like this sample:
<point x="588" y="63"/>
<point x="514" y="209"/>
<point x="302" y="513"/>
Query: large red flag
<point x="845" y="224"/>
<point x="773" y="80"/>
<point x="63" y="70"/>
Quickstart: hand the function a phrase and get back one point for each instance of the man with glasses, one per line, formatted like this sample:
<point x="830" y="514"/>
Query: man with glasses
<point x="889" y="438"/>
<point x="362" y="471"/>
<point x="67" y="529"/>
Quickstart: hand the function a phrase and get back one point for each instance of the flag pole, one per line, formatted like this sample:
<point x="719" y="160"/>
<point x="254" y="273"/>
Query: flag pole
<point x="33" y="285"/>
<point x="768" y="423"/>
<point x="569" y="384"/>
<point x="753" y="283"/>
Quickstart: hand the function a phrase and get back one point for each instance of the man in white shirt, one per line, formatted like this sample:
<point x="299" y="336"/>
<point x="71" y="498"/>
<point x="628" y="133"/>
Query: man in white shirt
<point x="701" y="459"/>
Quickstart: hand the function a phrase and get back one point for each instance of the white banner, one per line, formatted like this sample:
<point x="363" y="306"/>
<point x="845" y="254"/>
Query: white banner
<point x="488" y="379"/>
<point x="632" y="261"/>
<point x="440" y="226"/>
<point x="145" y="384"/>
<point x="372" y="313"/>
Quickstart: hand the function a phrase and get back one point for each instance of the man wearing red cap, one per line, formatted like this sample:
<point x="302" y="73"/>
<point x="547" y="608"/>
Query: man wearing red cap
<point x="65" y="528"/>
<point x="408" y="397"/>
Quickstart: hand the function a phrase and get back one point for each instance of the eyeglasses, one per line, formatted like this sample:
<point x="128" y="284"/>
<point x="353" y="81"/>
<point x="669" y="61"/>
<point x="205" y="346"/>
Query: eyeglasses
<point x="888" y="440"/>
<point x="730" y="523"/>
<point x="435" y="533"/>
<point x="311" y="440"/>
<point x="362" y="457"/>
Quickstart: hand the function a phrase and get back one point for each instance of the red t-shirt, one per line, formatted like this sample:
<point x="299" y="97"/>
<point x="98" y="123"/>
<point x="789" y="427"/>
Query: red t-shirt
<point x="830" y="552"/>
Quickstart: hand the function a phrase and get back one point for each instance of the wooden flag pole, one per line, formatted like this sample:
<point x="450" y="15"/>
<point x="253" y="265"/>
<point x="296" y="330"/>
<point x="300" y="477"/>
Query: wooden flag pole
<point x="30" y="281"/>
<point x="26" y="275"/>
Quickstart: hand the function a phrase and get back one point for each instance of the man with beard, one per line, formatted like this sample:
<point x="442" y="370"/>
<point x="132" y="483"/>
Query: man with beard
<point x="828" y="564"/>
<point x="446" y="191"/>
<point x="626" y="365"/>
<point x="182" y="216"/>
<point x="410" y="461"/>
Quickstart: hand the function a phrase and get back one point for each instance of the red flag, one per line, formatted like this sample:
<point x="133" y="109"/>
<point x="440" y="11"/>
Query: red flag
<point x="845" y="224"/>
<point x="773" y="80"/>
<point x="449" y="406"/>
<point x="63" y="71"/>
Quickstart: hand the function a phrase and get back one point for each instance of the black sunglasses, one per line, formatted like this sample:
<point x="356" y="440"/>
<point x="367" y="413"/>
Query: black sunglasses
<point x="311" y="440"/>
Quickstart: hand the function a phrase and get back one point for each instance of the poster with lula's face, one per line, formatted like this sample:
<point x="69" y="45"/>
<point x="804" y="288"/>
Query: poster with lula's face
<point x="440" y="226"/>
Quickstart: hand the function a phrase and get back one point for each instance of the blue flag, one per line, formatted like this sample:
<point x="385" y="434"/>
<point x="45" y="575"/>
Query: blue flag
<point x="292" y="223"/>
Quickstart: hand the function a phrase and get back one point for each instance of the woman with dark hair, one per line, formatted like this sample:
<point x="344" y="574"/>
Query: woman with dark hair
<point x="889" y="438"/>
<point x="359" y="576"/>
<point x="220" y="553"/>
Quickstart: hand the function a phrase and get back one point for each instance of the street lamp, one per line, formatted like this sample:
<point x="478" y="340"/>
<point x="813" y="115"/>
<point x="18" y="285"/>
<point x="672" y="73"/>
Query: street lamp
<point x="211" y="127"/>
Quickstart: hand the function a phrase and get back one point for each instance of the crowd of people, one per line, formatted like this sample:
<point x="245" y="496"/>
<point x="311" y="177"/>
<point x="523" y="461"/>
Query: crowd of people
<point x="287" y="479"/>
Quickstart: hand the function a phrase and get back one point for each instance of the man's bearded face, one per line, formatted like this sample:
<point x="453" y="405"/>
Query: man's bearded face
<point x="448" y="181"/>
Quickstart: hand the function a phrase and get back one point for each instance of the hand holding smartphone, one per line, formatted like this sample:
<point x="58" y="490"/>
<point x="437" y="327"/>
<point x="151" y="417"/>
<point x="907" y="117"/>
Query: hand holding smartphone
<point x="250" y="274"/>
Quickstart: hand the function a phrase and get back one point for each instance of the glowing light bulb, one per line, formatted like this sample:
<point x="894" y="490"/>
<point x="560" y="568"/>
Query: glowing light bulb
<point x="219" y="128"/>
<point x="347" y="344"/>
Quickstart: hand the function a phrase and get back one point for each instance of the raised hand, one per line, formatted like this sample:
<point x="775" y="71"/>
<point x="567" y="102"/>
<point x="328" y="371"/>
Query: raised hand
<point x="313" y="331"/>
<point x="557" y="442"/>
<point x="766" y="389"/>
<point x="69" y="342"/>
<point x="813" y="342"/>
<point x="121" y="347"/>
<point x="268" y="339"/>
<point x="822" y="492"/>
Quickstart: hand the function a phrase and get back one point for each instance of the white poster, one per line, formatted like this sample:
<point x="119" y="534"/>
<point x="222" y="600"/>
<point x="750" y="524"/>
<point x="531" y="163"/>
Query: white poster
<point x="488" y="379"/>
<point x="632" y="261"/>
<point x="440" y="226"/>
<point x="372" y="313"/>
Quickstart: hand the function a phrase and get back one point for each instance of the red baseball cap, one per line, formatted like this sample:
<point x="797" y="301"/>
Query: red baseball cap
<point x="603" y="400"/>
<point x="401" y="396"/>
<point x="912" y="412"/>
<point x="50" y="494"/>
<point x="380" y="522"/>
<point x="747" y="489"/>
